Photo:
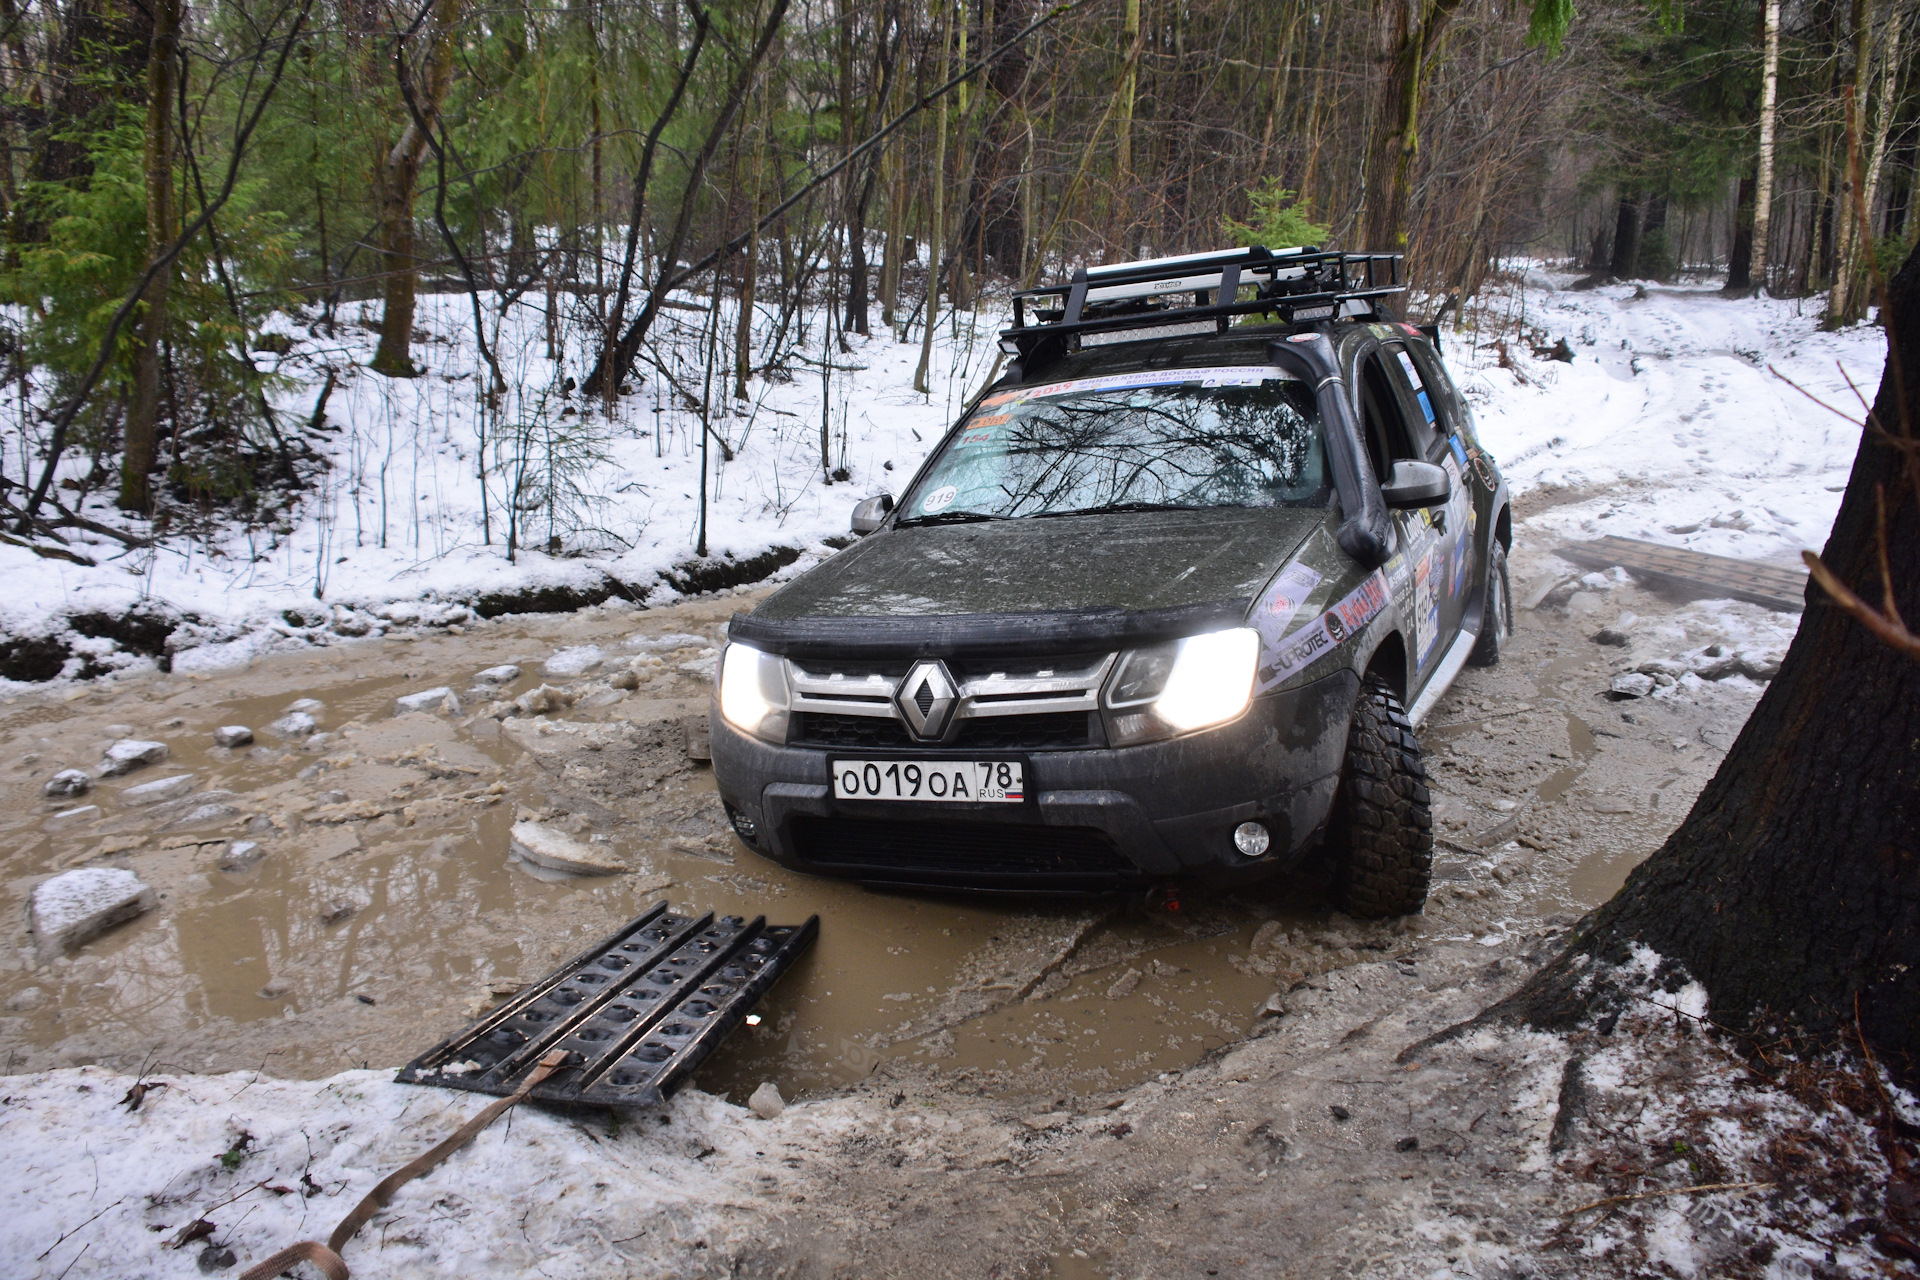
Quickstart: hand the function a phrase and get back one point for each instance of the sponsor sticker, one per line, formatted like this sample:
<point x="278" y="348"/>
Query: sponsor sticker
<point x="1296" y="652"/>
<point x="1426" y="609"/>
<point x="1283" y="599"/>
<point x="1251" y="375"/>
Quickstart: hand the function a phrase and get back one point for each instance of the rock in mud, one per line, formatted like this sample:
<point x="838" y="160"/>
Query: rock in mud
<point x="68" y="817"/>
<point x="1631" y="685"/>
<point x="69" y="782"/>
<point x="311" y="706"/>
<point x="557" y="851"/>
<point x="160" y="789"/>
<point x="538" y="702"/>
<point x="507" y="673"/>
<point x="1616" y="632"/>
<point x="440" y="699"/>
<point x="766" y="1101"/>
<point x="232" y="735"/>
<point x="294" y="724"/>
<point x="340" y="910"/>
<point x="240" y="855"/>
<point x="624" y="680"/>
<point x="1124" y="985"/>
<point x="212" y="814"/>
<point x="576" y="661"/>
<point x="76" y="906"/>
<point x="129" y="754"/>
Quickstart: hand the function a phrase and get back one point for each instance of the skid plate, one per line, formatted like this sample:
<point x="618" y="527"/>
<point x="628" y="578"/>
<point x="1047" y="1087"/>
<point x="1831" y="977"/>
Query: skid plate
<point x="637" y="1012"/>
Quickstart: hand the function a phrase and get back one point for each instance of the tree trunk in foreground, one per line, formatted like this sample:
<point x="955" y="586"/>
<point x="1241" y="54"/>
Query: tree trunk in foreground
<point x="1404" y="37"/>
<point x="1792" y="890"/>
<point x="143" y="405"/>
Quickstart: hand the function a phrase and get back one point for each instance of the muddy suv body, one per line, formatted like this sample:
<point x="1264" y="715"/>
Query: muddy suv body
<point x="1166" y="603"/>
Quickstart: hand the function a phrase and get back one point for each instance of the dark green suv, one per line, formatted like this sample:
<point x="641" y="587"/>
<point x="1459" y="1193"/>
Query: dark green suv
<point x="1168" y="602"/>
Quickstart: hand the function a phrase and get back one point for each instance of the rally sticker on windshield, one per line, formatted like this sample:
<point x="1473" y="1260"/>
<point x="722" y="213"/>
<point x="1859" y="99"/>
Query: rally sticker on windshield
<point x="1327" y="632"/>
<point x="1251" y="375"/>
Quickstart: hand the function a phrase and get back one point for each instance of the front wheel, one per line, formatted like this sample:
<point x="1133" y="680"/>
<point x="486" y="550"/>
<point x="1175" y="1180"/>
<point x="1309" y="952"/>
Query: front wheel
<point x="1496" y="615"/>
<point x="1381" y="831"/>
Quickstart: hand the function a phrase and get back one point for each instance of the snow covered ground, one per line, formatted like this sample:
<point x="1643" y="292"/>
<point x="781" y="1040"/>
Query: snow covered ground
<point x="1670" y="424"/>
<point x="1675" y="422"/>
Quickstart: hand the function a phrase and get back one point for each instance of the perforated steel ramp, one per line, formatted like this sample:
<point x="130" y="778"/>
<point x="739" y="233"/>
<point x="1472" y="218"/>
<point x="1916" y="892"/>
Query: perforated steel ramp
<point x="637" y="1012"/>
<point x="1694" y="571"/>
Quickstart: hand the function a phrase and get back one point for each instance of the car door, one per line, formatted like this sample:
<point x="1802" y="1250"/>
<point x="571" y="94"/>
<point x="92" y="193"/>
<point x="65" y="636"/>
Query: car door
<point x="1421" y="573"/>
<point x="1431" y="433"/>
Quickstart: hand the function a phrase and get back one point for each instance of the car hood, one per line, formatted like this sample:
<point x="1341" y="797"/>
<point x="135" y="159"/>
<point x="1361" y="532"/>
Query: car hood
<point x="1124" y="561"/>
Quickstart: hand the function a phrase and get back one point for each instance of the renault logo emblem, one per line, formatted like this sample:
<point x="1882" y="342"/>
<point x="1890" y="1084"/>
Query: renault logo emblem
<point x="926" y="699"/>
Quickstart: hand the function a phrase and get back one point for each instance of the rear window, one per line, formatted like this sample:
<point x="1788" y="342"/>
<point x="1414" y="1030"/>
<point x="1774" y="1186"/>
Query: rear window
<point x="1187" y="438"/>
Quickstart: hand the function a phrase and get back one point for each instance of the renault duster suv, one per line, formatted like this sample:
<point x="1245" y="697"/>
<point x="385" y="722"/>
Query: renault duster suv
<point x="1168" y="602"/>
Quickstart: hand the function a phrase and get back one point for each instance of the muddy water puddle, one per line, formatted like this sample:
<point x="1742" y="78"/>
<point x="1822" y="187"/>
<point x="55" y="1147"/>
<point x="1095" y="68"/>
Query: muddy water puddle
<point x="384" y="909"/>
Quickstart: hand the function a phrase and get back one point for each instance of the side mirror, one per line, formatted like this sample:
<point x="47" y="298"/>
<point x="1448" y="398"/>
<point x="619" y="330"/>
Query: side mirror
<point x="1416" y="484"/>
<point x="868" y="515"/>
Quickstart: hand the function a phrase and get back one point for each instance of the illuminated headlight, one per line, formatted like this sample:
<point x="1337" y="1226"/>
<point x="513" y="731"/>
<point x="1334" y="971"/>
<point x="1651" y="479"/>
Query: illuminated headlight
<point x="753" y="692"/>
<point x="1182" y="685"/>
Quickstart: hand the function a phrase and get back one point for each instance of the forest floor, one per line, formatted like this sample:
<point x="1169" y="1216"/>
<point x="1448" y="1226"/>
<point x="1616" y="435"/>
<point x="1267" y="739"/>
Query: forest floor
<point x="1076" y="1090"/>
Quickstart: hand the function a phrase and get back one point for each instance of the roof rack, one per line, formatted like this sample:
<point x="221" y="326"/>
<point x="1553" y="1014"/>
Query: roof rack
<point x="1136" y="301"/>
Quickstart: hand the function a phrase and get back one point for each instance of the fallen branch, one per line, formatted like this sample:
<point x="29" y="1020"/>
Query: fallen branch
<point x="1673" y="1191"/>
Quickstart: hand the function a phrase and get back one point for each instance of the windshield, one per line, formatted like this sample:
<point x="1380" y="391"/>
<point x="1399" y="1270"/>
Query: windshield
<point x="1167" y="439"/>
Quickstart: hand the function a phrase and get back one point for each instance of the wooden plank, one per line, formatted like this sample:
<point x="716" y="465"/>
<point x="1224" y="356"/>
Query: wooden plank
<point x="1695" y="571"/>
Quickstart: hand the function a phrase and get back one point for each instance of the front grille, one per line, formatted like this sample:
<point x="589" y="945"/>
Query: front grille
<point x="1048" y="730"/>
<point x="936" y="851"/>
<point x="816" y="729"/>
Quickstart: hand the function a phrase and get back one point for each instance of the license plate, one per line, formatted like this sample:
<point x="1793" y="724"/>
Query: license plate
<point x="965" y="781"/>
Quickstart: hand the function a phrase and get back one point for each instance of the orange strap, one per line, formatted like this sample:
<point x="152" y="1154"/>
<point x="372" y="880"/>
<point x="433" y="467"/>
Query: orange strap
<point x="327" y="1256"/>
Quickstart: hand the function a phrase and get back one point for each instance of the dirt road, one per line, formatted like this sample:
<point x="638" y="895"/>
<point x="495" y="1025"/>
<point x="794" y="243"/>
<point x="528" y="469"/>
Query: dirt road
<point x="382" y="908"/>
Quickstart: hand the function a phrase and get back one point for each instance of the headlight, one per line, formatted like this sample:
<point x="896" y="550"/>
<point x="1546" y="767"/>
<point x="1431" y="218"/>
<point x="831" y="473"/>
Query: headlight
<point x="753" y="692"/>
<point x="1182" y="685"/>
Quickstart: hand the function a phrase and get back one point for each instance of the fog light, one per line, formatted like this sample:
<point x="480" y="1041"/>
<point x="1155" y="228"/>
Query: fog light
<point x="1251" y="839"/>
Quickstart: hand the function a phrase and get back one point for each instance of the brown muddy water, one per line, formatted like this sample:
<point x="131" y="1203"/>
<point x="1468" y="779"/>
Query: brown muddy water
<point x="385" y="910"/>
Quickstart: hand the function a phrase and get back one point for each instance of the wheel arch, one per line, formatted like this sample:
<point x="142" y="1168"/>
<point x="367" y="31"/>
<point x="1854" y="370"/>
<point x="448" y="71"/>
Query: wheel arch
<point x="1389" y="661"/>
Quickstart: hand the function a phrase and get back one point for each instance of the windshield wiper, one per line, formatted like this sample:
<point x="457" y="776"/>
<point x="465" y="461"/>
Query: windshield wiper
<point x="945" y="517"/>
<point x="1112" y="508"/>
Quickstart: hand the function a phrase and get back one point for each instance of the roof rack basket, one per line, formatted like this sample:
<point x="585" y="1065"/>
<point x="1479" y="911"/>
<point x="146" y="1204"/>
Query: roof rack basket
<point x="1136" y="301"/>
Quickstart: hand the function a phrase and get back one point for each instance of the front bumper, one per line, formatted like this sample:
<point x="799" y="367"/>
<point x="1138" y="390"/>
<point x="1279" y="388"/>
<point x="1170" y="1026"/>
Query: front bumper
<point x="1094" y="818"/>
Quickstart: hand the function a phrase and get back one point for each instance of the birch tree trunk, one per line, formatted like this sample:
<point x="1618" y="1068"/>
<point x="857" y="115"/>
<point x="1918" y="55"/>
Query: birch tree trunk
<point x="1884" y="107"/>
<point x="395" y="183"/>
<point x="143" y="408"/>
<point x="1763" y="183"/>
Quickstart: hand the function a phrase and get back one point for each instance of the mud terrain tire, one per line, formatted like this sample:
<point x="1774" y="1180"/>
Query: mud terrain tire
<point x="1496" y="619"/>
<point x="1381" y="832"/>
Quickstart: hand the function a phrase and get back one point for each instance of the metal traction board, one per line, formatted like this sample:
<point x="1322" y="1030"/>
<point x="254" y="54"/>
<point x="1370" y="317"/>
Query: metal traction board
<point x="1749" y="580"/>
<point x="637" y="1012"/>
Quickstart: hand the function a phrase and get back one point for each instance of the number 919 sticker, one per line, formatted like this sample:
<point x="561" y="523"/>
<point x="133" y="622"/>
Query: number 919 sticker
<point x="965" y="781"/>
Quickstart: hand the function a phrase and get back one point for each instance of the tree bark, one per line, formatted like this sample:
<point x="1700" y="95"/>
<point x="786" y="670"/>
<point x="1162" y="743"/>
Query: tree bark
<point x="1792" y="889"/>
<point x="399" y="170"/>
<point x="142" y="443"/>
<point x="1846" y="301"/>
<point x="1741" y="260"/>
<point x="1626" y="237"/>
<point x="938" y="181"/>
<point x="1763" y="189"/>
<point x="1123" y="127"/>
<point x="1404" y="38"/>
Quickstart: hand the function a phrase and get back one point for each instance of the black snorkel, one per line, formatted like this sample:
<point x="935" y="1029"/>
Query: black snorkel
<point x="1364" y="532"/>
